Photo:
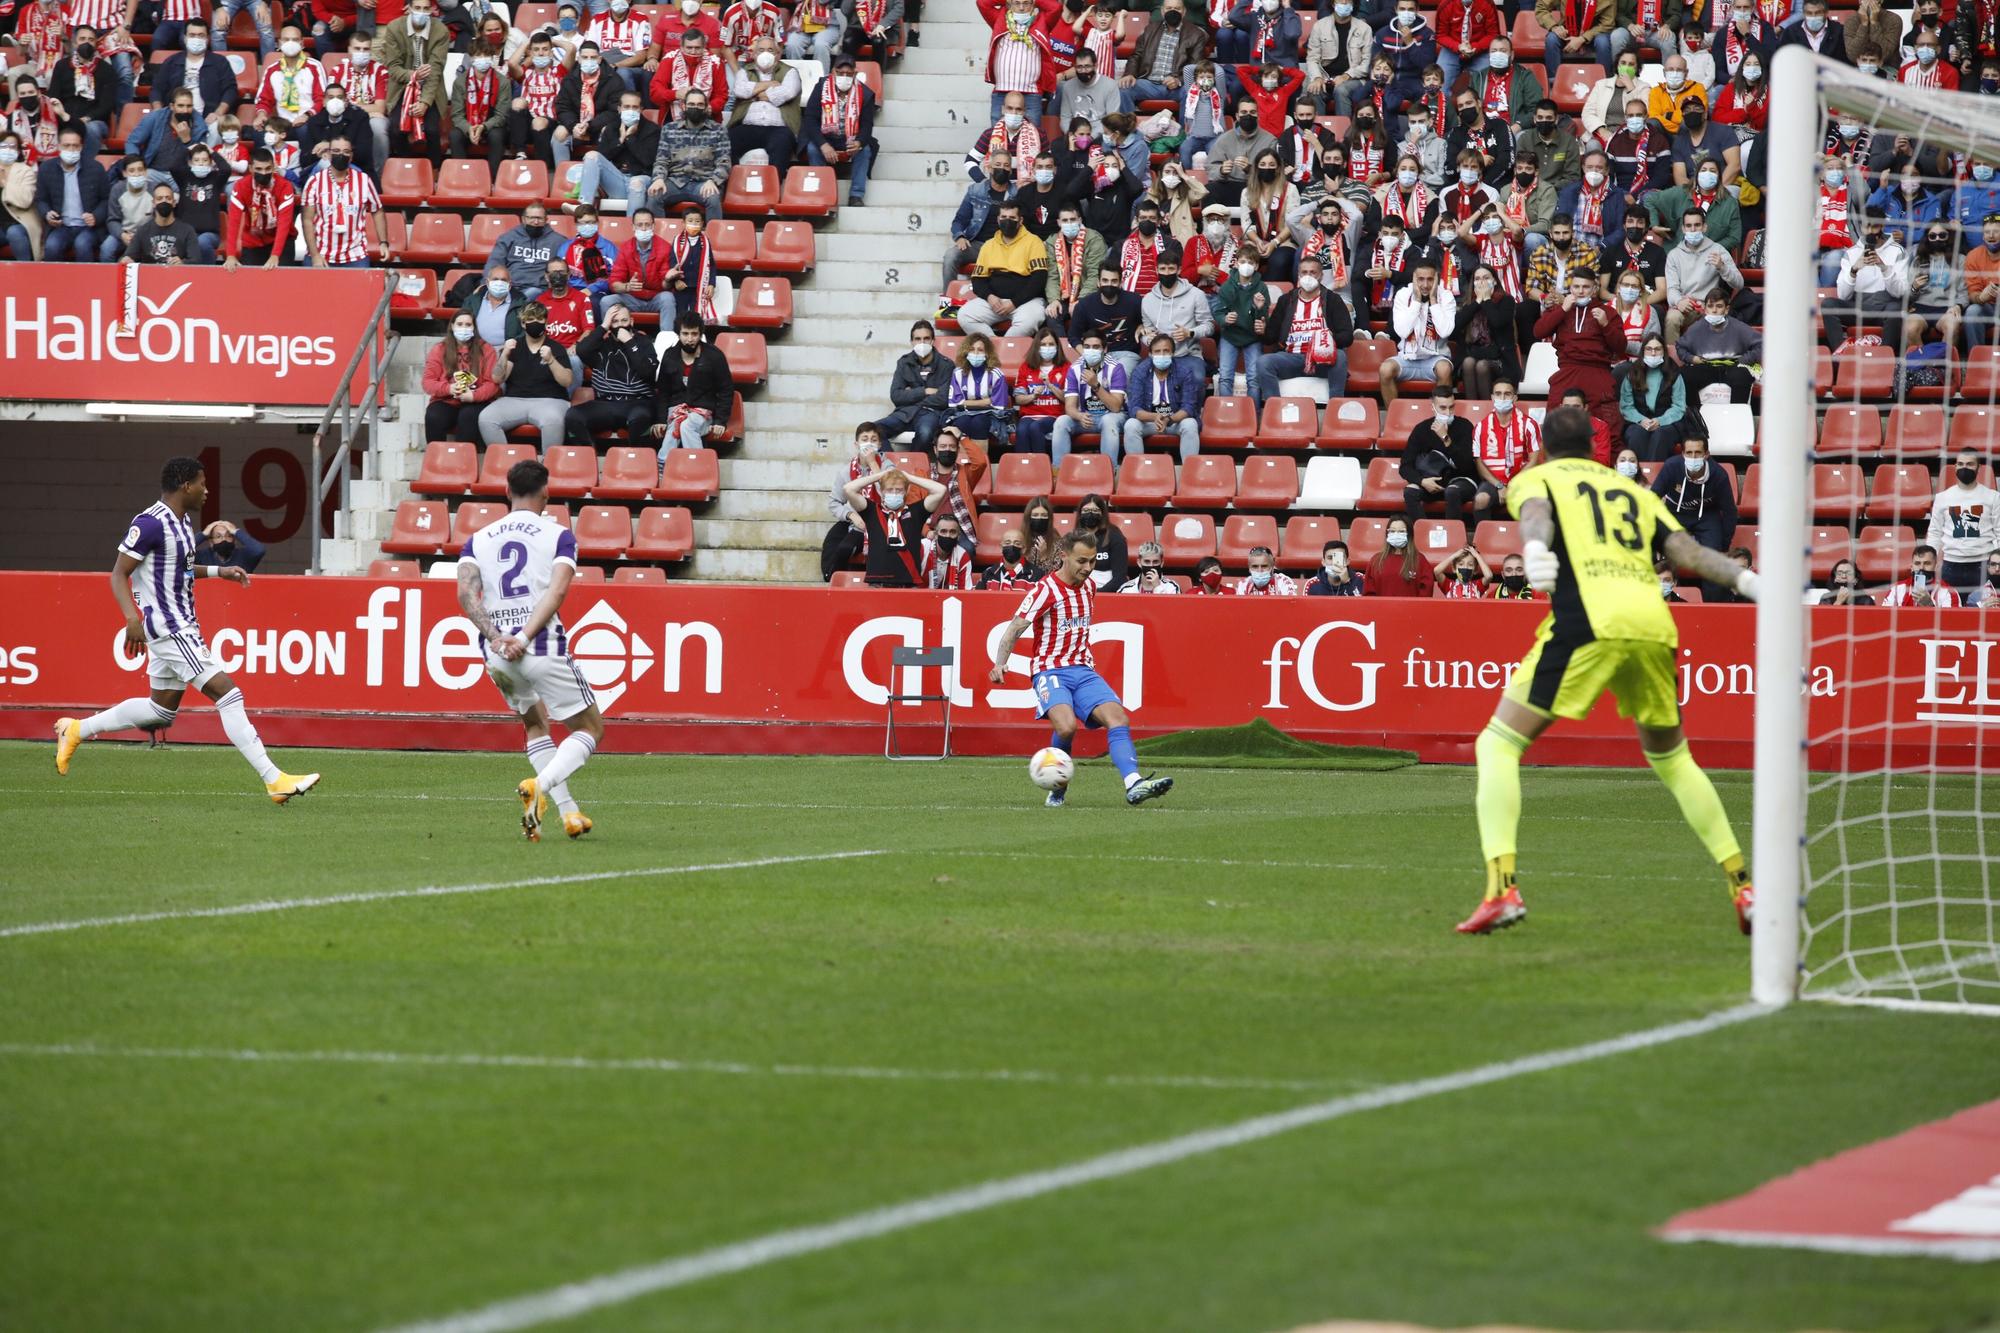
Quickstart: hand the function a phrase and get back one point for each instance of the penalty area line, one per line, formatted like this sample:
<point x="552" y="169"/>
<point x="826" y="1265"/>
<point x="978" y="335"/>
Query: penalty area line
<point x="427" y="891"/>
<point x="581" y="1297"/>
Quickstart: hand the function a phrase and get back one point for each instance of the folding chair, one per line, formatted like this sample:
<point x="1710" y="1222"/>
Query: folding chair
<point x="899" y="658"/>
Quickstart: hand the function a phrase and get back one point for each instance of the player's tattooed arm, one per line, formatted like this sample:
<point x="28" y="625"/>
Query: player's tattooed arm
<point x="1015" y="629"/>
<point x="1684" y="552"/>
<point x="121" y="592"/>
<point x="552" y="600"/>
<point x="472" y="601"/>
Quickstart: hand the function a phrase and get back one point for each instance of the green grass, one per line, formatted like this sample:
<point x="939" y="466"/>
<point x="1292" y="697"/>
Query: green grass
<point x="1285" y="935"/>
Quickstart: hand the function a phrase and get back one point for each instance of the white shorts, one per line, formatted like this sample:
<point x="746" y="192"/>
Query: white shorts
<point x="180" y="661"/>
<point x="552" y="681"/>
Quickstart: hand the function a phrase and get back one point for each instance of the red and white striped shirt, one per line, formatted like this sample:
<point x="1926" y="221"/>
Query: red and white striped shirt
<point x="953" y="572"/>
<point x="101" y="15"/>
<point x="1281" y="585"/>
<point x="366" y="86"/>
<point x="1064" y="641"/>
<point x="1504" y="444"/>
<point x="742" y="25"/>
<point x="180" y="11"/>
<point x="628" y="38"/>
<point x="1017" y="67"/>
<point x="341" y="210"/>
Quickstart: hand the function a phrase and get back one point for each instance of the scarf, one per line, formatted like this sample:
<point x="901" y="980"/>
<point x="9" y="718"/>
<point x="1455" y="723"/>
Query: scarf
<point x="1364" y="159"/>
<point x="836" y="120"/>
<point x="540" y="87"/>
<point x="86" y="78"/>
<point x="1194" y="97"/>
<point x="482" y="91"/>
<point x="1635" y="320"/>
<point x="1137" y="262"/>
<point x="263" y="208"/>
<point x="1309" y="336"/>
<point x="1331" y="251"/>
<point x="410" y="112"/>
<point x="1448" y="269"/>
<point x="1267" y="219"/>
<point x="1411" y="211"/>
<point x="954" y="493"/>
<point x="588" y="260"/>
<point x="1069" y="265"/>
<point x="1465" y="27"/>
<point x="1702" y="200"/>
<point x="1305" y="156"/>
<point x="1503" y="444"/>
<point x="587" y="98"/>
<point x="1986" y="11"/>
<point x="1435" y="107"/>
<point x="365" y="85"/>
<point x="1424" y="337"/>
<point x="701" y="75"/>
<point x="1500" y="253"/>
<point x="1772" y="12"/>
<point x="1590" y="209"/>
<point x="1267" y="37"/>
<point x="39" y="133"/>
<point x="1578" y="15"/>
<point x="41" y="31"/>
<point x="1649" y="14"/>
<point x="869" y="14"/>
<point x="1380" y="288"/>
<point x="1733" y="45"/>
<point x="690" y="255"/>
<point x="1834" y="232"/>
<point x="1496" y="102"/>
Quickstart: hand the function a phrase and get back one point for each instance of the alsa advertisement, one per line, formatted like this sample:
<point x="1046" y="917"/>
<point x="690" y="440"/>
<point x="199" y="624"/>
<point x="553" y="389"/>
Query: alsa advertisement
<point x="772" y="669"/>
<point x="138" y="333"/>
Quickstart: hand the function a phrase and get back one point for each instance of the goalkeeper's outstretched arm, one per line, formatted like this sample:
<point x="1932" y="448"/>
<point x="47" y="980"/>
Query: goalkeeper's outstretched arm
<point x="1684" y="552"/>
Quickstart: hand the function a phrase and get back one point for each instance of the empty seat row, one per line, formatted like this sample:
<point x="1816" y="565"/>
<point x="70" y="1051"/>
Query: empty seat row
<point x="736" y="246"/>
<point x="575" y="472"/>
<point x="603" y="532"/>
<point x="469" y="183"/>
<point x="1186" y="538"/>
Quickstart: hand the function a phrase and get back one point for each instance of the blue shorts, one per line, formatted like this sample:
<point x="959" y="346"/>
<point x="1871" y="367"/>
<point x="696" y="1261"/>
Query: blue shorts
<point x="1080" y="687"/>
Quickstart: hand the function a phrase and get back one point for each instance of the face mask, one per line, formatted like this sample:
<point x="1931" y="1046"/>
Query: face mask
<point x="1593" y="179"/>
<point x="1397" y="540"/>
<point x="766" y="59"/>
<point x="892" y="499"/>
<point x="1171" y="182"/>
<point x="164" y="212"/>
<point x="1545" y="127"/>
<point x="1048" y="351"/>
<point x="1343" y="11"/>
<point x="1111" y="171"/>
<point x="567" y="23"/>
<point x="482" y="63"/>
<point x="1491" y="226"/>
<point x="1867" y="68"/>
<point x="12" y="154"/>
<point x="85" y="51"/>
<point x="1693" y="239"/>
<point x="1706" y="180"/>
<point x="29" y="103"/>
<point x="1635" y="125"/>
<point x="1109" y="291"/>
<point x="1406" y="179"/>
<point x="1716" y="321"/>
<point x="542" y="62"/>
<point x="1966" y="475"/>
<point x="1270" y="6"/>
<point x="1814" y="24"/>
<point x="1089" y="519"/>
<point x="1162" y="362"/>
<point x="1248" y="124"/>
<point x="1270" y="82"/>
<point x="1629" y="294"/>
<point x="586" y="229"/>
<point x="1011" y="554"/>
<point x="1093" y="355"/>
<point x="690" y="7"/>
<point x="1654" y="360"/>
<point x="1560" y="245"/>
<point x="1204" y="83"/>
<point x="336" y="107"/>
<point x="1498" y="59"/>
<point x="71" y="156"/>
<point x="1148" y="228"/>
<point x="587" y="65"/>
<point x="1168" y="281"/>
<point x="1676" y="77"/>
<point x="342" y="161"/>
<point x="135" y="183"/>
<point x="1525" y="179"/>
<point x="1666" y="587"/>
<point x="1926" y="54"/>
<point x="1037" y="524"/>
<point x="499" y="286"/>
<point x="1696" y="467"/>
<point x="1447" y="237"/>
<point x="1468" y="175"/>
<point x="420" y="21"/>
<point x="1406" y="18"/>
<point x="1308" y="282"/>
<point x="844" y="82"/>
<point x="642" y="234"/>
<point x="975" y="359"/>
<point x="1912" y="186"/>
<point x="289" y="49"/>
<point x="922" y="351"/>
<point x="1628" y="469"/>
<point x="1752" y="73"/>
<point x="1261" y="577"/>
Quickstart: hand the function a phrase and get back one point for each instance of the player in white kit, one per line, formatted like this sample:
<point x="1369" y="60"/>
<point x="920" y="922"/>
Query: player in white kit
<point x="512" y="577"/>
<point x="153" y="581"/>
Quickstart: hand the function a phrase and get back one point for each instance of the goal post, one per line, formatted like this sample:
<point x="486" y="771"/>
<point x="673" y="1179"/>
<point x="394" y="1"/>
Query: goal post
<point x="1874" y="789"/>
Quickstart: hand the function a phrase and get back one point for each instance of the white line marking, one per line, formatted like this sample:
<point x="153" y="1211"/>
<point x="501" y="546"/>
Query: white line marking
<point x="655" y="1065"/>
<point x="1964" y="1251"/>
<point x="577" y="1298"/>
<point x="428" y="891"/>
<point x="1974" y="1008"/>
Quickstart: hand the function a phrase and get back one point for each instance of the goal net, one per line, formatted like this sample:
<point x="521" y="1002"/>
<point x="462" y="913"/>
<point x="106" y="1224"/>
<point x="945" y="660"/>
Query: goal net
<point x="1879" y="695"/>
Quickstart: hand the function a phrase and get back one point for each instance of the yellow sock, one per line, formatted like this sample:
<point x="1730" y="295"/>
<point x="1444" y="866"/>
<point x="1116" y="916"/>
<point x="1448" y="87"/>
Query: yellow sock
<point x="1735" y="873"/>
<point x="1498" y="802"/>
<point x="1701" y="807"/>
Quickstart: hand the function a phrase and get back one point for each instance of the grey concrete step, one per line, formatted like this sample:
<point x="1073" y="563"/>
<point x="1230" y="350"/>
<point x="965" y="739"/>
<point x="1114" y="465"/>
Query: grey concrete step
<point x="787" y="505"/>
<point x="753" y="566"/>
<point x="932" y="193"/>
<point x="876" y="358"/>
<point x="940" y="137"/>
<point x="942" y="161"/>
<point x="963" y="114"/>
<point x="761" y="534"/>
<point x="855" y="386"/>
<point x="907" y="300"/>
<point x="886" y="249"/>
<point x="917" y="219"/>
<point x="917" y="269"/>
<point x="961" y="59"/>
<point x="813" y="419"/>
<point x="959" y="31"/>
<point x="779" y="474"/>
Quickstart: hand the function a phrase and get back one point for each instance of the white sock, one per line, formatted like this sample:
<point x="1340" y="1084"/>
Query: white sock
<point x="540" y="752"/>
<point x="242" y="735"/>
<point x="1131" y="781"/>
<point x="577" y="747"/>
<point x="127" y="716"/>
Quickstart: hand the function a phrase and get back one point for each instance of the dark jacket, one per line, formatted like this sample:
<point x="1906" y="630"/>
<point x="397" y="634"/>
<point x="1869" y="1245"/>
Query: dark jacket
<point x="1334" y="310"/>
<point x="1706" y="508"/>
<point x="1423" y="440"/>
<point x="1319" y="586"/>
<point x="1113" y="563"/>
<point x="1108" y="212"/>
<point x="809" y="118"/>
<point x="978" y="215"/>
<point x="569" y="97"/>
<point x="102" y="107"/>
<point x="1187" y="383"/>
<point x="1117" y="321"/>
<point x="216" y="81"/>
<point x="93" y="187"/>
<point x="631" y="152"/>
<point x="246" y="554"/>
<point x="614" y="363"/>
<point x="1833" y="38"/>
<point x="353" y="123"/>
<point x="1286" y="41"/>
<point x="1192" y="51"/>
<point x="706" y="385"/>
<point x="915" y="381"/>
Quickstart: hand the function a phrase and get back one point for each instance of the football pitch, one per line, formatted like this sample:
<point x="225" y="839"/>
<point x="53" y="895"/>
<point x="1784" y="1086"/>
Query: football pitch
<point x="749" y="1052"/>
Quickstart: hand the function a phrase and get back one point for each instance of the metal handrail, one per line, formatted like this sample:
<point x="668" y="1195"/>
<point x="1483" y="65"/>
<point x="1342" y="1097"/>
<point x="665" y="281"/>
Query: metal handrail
<point x="377" y="346"/>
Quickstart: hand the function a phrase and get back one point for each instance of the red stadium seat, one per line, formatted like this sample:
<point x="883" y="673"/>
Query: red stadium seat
<point x="1350" y="423"/>
<point x="493" y="466"/>
<point x="1528" y="34"/>
<point x="421" y="527"/>
<point x="989" y="528"/>
<point x="1830" y="545"/>
<point x="520" y="182"/>
<point x="692" y="475"/>
<point x="1850" y="432"/>
<point x="1916" y="431"/>
<point x="1227" y="422"/>
<point x="615" y="228"/>
<point x="1186" y="538"/>
<point x="1975" y="426"/>
<point x="1402" y="416"/>
<point x="462" y="183"/>
<point x="1145" y="480"/>
<point x="1288" y="423"/>
<point x="628" y="473"/>
<point x="603" y="531"/>
<point x="1208" y="481"/>
<point x="1837" y="490"/>
<point x="842" y="578"/>
<point x="663" y="534"/>
<point x="809" y="192"/>
<point x="1138" y="530"/>
<point x="1865" y="372"/>
<point x="1572" y="86"/>
<point x="1495" y="540"/>
<point x="733" y="243"/>
<point x="1382" y="490"/>
<point x="1013" y="354"/>
<point x="483" y="233"/>
<point x="786" y="247"/>
<point x="470" y="517"/>
<point x="749" y="362"/>
<point x="750" y="192"/>
<point x="394" y="569"/>
<point x="1900" y="491"/>
<point x="762" y="303"/>
<point x="1753" y="485"/>
<point x="416" y="293"/>
<point x="589" y="574"/>
<point x="1126" y="28"/>
<point x="1883" y="553"/>
<point x="1081" y="475"/>
<point x="1268" y="483"/>
<point x="558" y="514"/>
<point x="435" y="238"/>
<point x="406" y="182"/>
<point x="1364" y="365"/>
<point x="449" y="469"/>
<point x="1436" y="538"/>
<point x="652" y="574"/>
<point x="1019" y="478"/>
<point x="572" y="471"/>
<point x="128" y="121"/>
<point x="1364" y="540"/>
<point x="1304" y="537"/>
<point x="1982" y="376"/>
<point x="1241" y="532"/>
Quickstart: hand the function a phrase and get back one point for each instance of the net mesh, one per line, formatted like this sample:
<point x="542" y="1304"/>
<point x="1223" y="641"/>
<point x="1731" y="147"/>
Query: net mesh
<point x="1898" y="875"/>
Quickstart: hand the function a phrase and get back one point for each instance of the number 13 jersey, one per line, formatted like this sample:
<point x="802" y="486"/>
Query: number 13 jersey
<point x="1608" y="533"/>
<point x="517" y="556"/>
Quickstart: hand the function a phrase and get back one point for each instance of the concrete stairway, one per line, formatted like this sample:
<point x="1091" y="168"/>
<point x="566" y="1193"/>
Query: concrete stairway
<point x="878" y="269"/>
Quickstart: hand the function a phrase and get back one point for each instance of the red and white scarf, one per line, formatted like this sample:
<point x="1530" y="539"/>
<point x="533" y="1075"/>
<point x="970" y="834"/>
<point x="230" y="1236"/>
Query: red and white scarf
<point x="1502" y="253"/>
<point x="1411" y="210"/>
<point x="1137" y="264"/>
<point x="1504" y="443"/>
<point x="1733" y="45"/>
<point x="1649" y="14"/>
<point x="587" y="97"/>
<point x="840" y="113"/>
<point x="1267" y="220"/>
<point x="1497" y="103"/>
<point x="86" y="78"/>
<point x="1380" y="288"/>
<point x="1331" y="251"/>
<point x="1305" y="156"/>
<point x="38" y="134"/>
<point x="1069" y="266"/>
<point x="365" y="85"/>
<point x="700" y="75"/>
<point x="40" y="31"/>
<point x="482" y="93"/>
<point x="1773" y="12"/>
<point x="869" y="14"/>
<point x="1364" y="159"/>
<point x="1578" y="15"/>
<point x="410" y="111"/>
<point x="1448" y="269"/>
<point x="691" y="256"/>
<point x="1436" y="106"/>
<point x="1309" y="336"/>
<point x="1635" y="320"/>
<point x="1195" y="97"/>
<point x="1266" y="38"/>
<point x="1834" y="232"/>
<point x="1590" y="209"/>
<point x="1703" y="199"/>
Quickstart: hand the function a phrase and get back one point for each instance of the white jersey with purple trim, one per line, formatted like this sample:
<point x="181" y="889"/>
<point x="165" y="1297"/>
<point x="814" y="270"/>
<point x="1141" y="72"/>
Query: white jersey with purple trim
<point x="517" y="558"/>
<point x="163" y="543"/>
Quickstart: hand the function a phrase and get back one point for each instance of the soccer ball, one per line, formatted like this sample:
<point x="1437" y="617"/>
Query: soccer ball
<point x="1051" y="768"/>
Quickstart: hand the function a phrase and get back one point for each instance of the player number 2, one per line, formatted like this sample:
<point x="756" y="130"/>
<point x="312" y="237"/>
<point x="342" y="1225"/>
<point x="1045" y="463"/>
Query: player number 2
<point x="1627" y="535"/>
<point x="516" y="556"/>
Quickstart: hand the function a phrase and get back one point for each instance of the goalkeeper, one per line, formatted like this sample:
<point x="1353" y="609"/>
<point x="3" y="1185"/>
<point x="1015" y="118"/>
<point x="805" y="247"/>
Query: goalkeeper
<point x="1590" y="540"/>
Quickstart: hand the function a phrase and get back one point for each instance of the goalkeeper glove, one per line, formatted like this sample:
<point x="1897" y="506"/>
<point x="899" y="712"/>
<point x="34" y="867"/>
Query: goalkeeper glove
<point x="1542" y="566"/>
<point x="1746" y="585"/>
